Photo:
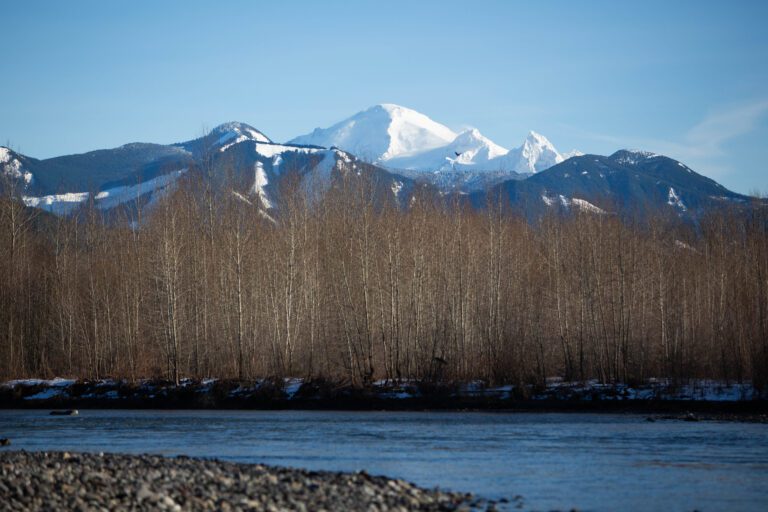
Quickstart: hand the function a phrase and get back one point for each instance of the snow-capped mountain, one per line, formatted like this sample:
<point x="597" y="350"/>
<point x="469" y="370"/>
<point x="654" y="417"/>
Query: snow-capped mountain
<point x="632" y="182"/>
<point x="470" y="150"/>
<point x="234" y="154"/>
<point x="534" y="155"/>
<point x="411" y="152"/>
<point x="381" y="133"/>
<point x="408" y="142"/>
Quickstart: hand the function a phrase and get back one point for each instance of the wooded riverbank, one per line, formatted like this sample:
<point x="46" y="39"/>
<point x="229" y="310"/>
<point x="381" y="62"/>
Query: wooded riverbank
<point x="707" y="399"/>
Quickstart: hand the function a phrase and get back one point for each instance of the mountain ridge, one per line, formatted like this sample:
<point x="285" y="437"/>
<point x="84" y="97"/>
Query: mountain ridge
<point x="535" y="173"/>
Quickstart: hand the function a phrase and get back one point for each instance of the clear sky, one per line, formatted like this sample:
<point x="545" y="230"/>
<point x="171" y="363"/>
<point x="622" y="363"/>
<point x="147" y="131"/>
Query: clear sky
<point x="686" y="78"/>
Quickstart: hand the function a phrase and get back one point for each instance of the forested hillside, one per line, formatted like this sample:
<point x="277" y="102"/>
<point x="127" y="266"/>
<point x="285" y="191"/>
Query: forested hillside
<point x="347" y="288"/>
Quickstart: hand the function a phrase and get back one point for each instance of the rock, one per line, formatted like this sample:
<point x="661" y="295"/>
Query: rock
<point x="85" y="481"/>
<point x="4" y="441"/>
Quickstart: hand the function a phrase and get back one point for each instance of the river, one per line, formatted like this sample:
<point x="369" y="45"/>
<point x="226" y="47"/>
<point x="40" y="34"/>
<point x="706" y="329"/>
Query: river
<point x="554" y="461"/>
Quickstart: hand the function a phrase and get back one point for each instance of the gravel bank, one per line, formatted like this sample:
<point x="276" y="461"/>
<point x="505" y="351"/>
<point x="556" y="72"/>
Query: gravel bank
<point x="80" y="481"/>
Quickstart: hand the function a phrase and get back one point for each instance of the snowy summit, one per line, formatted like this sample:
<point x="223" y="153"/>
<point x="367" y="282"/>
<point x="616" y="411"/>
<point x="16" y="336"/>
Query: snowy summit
<point x="381" y="133"/>
<point x="400" y="138"/>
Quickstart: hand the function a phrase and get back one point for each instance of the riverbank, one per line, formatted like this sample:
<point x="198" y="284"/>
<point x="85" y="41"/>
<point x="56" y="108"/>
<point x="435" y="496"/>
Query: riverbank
<point x="662" y="398"/>
<point x="79" y="481"/>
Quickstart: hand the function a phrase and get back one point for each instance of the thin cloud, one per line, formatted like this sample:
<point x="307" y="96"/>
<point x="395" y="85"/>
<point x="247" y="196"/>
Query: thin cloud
<point x="703" y="145"/>
<point x="708" y="137"/>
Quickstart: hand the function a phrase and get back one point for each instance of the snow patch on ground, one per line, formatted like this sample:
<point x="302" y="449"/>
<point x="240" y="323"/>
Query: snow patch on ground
<point x="59" y="204"/>
<point x="57" y="382"/>
<point x="48" y="394"/>
<point x="566" y="202"/>
<point x="291" y="387"/>
<point x="653" y="389"/>
<point x="586" y="206"/>
<point x="272" y="150"/>
<point x="397" y="186"/>
<point x="674" y="200"/>
<point x="64" y="204"/>
<point x="112" y="197"/>
<point x="260" y="181"/>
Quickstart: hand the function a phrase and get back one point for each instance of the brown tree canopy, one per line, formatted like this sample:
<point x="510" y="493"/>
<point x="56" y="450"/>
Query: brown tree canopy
<point x="205" y="284"/>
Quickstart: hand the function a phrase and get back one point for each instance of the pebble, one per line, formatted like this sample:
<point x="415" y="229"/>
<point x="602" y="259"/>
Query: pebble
<point x="83" y="481"/>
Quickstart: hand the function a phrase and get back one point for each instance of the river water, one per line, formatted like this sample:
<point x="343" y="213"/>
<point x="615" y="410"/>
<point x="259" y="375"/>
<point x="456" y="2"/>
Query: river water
<point x="554" y="461"/>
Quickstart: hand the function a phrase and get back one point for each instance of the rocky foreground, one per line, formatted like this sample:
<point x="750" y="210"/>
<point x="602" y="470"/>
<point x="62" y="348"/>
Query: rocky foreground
<point x="80" y="481"/>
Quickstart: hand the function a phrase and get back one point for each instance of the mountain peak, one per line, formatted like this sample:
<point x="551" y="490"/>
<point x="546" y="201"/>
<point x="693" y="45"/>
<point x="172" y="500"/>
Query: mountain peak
<point x="632" y="156"/>
<point x="381" y="132"/>
<point x="471" y="134"/>
<point x="236" y="129"/>
<point x="473" y="140"/>
<point x="536" y="154"/>
<point x="537" y="139"/>
<point x="12" y="167"/>
<point x="390" y="107"/>
<point x="401" y="138"/>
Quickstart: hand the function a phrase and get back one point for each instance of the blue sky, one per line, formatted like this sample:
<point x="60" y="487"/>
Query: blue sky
<point x="687" y="79"/>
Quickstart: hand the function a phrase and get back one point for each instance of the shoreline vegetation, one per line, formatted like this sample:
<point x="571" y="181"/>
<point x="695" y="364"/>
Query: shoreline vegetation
<point x="79" y="481"/>
<point x="707" y="399"/>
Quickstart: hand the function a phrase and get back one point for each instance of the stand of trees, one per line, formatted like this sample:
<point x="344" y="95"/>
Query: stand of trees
<point x="343" y="287"/>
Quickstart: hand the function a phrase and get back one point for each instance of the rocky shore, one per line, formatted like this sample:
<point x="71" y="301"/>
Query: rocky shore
<point x="81" y="481"/>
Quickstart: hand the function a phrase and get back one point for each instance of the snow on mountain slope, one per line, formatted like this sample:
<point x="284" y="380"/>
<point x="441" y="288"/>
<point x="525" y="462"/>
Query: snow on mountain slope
<point x="470" y="150"/>
<point x="234" y="133"/>
<point x="406" y="146"/>
<point x="259" y="168"/>
<point x="381" y="133"/>
<point x="568" y="202"/>
<point x="12" y="167"/>
<point x="535" y="155"/>
<point x="572" y="153"/>
<point x="473" y="162"/>
<point x="234" y="129"/>
<point x="59" y="204"/>
<point x="235" y="147"/>
<point x="222" y="138"/>
<point x="116" y="196"/>
<point x="402" y="139"/>
<point x="273" y="150"/>
<point x="64" y="204"/>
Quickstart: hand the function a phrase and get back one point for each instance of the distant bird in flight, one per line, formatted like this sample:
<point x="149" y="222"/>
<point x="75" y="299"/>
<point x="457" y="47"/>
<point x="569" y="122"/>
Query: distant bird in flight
<point x="457" y="153"/>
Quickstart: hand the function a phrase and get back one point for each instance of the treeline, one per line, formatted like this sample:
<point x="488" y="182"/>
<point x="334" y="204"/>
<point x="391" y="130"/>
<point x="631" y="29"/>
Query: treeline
<point x="204" y="284"/>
